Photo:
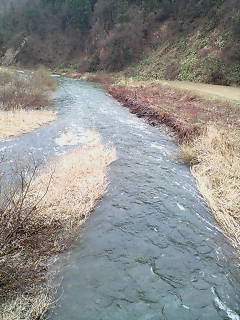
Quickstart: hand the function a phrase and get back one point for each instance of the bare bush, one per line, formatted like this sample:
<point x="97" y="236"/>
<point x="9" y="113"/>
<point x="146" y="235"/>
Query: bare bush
<point x="121" y="47"/>
<point x="42" y="79"/>
<point x="17" y="256"/>
<point x="21" y="92"/>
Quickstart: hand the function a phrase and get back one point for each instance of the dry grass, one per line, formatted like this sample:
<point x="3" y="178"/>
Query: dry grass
<point x="42" y="79"/>
<point x="6" y="77"/>
<point x="215" y="156"/>
<point x="14" y="123"/>
<point x="26" y="307"/>
<point x="182" y="105"/>
<point x="206" y="90"/>
<point x="79" y="179"/>
<point x="188" y="153"/>
<point x="18" y="91"/>
<point x="42" y="219"/>
<point x="20" y="95"/>
<point x="99" y="77"/>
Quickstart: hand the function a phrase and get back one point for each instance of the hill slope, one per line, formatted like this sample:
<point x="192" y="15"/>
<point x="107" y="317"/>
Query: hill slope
<point x="196" y="40"/>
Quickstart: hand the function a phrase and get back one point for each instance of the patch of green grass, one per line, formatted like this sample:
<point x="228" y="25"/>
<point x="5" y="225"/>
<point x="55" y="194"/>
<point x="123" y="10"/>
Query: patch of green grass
<point x="61" y="70"/>
<point x="197" y="123"/>
<point x="190" y="69"/>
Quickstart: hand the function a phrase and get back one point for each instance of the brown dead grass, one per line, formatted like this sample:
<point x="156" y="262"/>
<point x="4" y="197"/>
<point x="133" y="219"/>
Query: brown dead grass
<point x="99" y="77"/>
<point x="79" y="179"/>
<point x="26" y="307"/>
<point x="215" y="159"/>
<point x="41" y="78"/>
<point x="43" y="221"/>
<point x="22" y="99"/>
<point x="32" y="91"/>
<point x="187" y="107"/>
<point x="14" y="123"/>
<point x="5" y="77"/>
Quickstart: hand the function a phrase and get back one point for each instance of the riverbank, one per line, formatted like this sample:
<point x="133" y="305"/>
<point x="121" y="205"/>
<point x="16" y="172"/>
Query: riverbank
<point x="42" y="220"/>
<point x="208" y="131"/>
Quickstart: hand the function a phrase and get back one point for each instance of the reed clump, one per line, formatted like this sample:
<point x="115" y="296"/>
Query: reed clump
<point x="26" y="307"/>
<point x="215" y="160"/>
<point x="17" y="122"/>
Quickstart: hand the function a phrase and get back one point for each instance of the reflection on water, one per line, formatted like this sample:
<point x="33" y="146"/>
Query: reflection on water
<point x="150" y="250"/>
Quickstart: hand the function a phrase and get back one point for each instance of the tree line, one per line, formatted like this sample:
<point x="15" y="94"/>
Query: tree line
<point x="104" y="34"/>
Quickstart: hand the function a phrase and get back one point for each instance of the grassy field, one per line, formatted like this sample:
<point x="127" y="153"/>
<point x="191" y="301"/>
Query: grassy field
<point x="206" y="90"/>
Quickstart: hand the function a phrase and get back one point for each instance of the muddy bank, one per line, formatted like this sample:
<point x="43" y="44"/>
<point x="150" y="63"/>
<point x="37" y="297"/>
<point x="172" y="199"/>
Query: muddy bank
<point x="153" y="114"/>
<point x="185" y="113"/>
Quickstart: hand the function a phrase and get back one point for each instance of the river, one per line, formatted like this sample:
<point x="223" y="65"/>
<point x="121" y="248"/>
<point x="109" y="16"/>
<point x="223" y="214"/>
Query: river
<point x="151" y="249"/>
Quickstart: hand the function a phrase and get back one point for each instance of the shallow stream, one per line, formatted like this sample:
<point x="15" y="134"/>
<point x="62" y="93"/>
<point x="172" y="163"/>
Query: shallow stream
<point x="150" y="250"/>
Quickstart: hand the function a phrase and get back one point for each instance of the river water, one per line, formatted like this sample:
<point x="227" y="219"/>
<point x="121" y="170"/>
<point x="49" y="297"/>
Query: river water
<point x="150" y="250"/>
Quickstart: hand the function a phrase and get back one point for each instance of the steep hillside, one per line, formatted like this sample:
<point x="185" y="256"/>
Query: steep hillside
<point x="203" y="48"/>
<point x="196" y="40"/>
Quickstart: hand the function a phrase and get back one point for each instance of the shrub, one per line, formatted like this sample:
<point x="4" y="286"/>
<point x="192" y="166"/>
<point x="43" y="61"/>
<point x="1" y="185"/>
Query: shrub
<point x="42" y="79"/>
<point x="18" y="91"/>
<point x="93" y="63"/>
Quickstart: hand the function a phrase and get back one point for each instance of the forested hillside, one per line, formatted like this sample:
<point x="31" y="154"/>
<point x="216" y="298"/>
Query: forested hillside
<point x="197" y="40"/>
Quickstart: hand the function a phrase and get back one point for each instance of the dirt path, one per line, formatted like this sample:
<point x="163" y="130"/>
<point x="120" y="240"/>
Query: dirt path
<point x="206" y="90"/>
